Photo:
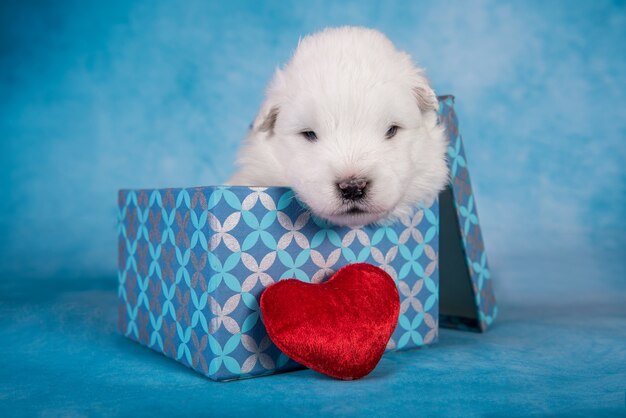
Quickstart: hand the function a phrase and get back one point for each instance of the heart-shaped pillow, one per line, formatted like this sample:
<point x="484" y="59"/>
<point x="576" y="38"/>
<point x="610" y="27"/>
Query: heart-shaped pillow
<point x="339" y="328"/>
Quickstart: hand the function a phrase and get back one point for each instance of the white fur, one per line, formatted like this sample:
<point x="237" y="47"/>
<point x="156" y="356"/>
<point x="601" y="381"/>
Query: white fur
<point x="348" y="85"/>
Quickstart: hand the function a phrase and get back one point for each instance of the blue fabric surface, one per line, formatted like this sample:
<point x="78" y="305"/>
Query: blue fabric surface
<point x="559" y="352"/>
<point x="136" y="94"/>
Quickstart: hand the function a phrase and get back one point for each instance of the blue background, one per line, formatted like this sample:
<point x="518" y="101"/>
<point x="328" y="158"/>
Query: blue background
<point x="99" y="96"/>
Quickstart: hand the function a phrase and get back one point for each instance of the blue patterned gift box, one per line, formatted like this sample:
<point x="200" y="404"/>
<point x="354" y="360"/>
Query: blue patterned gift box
<point x="193" y="263"/>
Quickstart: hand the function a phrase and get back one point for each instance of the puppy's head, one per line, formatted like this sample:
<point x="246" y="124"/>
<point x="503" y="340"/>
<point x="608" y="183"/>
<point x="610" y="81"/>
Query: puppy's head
<point x="352" y="125"/>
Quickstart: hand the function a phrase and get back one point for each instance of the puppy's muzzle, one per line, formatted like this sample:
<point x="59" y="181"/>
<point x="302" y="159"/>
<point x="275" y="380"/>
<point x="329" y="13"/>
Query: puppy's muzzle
<point x="352" y="188"/>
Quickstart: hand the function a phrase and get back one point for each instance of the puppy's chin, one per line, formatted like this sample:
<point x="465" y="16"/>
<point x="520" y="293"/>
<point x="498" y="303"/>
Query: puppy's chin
<point x="354" y="220"/>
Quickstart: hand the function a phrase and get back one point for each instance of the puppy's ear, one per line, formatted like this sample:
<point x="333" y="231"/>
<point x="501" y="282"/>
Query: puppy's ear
<point x="424" y="94"/>
<point x="268" y="122"/>
<point x="426" y="98"/>
<point x="265" y="121"/>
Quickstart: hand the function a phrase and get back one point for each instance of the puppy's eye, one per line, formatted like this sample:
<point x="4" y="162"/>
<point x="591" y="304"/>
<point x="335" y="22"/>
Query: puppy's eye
<point x="392" y="131"/>
<point x="309" y="135"/>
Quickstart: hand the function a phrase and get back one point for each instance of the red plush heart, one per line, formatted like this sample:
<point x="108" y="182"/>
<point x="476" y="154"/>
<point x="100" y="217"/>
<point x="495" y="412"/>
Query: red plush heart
<point x="339" y="328"/>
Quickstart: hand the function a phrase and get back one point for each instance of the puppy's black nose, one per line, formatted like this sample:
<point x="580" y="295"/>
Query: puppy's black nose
<point x="352" y="188"/>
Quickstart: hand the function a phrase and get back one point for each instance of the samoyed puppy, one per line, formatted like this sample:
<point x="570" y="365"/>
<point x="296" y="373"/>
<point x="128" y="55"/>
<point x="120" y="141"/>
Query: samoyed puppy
<point x="350" y="124"/>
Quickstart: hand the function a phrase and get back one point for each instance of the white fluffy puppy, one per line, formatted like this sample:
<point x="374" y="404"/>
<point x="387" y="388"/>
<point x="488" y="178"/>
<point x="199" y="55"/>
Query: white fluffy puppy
<point x="351" y="125"/>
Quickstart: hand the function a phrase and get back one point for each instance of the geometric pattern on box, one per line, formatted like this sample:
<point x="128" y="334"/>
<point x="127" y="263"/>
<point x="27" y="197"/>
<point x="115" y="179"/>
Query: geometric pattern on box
<point x="469" y="238"/>
<point x="193" y="264"/>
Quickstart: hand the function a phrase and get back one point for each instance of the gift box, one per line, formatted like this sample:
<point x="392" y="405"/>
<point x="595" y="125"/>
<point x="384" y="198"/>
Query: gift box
<point x="193" y="263"/>
<point x="467" y="299"/>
